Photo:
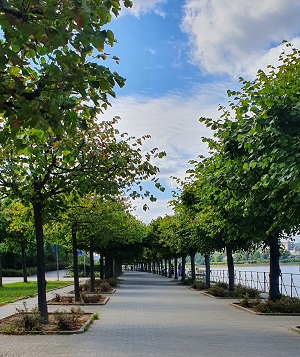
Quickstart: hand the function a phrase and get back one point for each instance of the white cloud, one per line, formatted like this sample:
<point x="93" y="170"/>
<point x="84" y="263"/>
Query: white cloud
<point x="156" y="209"/>
<point x="141" y="7"/>
<point x="152" y="51"/>
<point x="173" y="123"/>
<point x="171" y="120"/>
<point x="269" y="58"/>
<point x="230" y="36"/>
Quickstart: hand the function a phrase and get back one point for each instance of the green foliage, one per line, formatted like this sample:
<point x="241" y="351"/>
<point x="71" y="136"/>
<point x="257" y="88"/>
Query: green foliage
<point x="50" y="54"/>
<point x="247" y="302"/>
<point x="28" y="320"/>
<point x="187" y="281"/>
<point x="221" y="284"/>
<point x="240" y="291"/>
<point x="247" y="192"/>
<point x="16" y="291"/>
<point x="90" y="298"/>
<point x="104" y="287"/>
<point x="53" y="87"/>
<point x="113" y="282"/>
<point x="17" y="272"/>
<point x="218" y="257"/>
<point x="220" y="289"/>
<point x="65" y="320"/>
<point x="199" y="285"/>
<point x="100" y="285"/>
<point x="284" y="304"/>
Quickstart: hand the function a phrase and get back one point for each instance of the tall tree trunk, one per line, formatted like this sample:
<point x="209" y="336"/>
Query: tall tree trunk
<point x="1" y="282"/>
<point x="166" y="268"/>
<point x="176" y="268"/>
<point x="109" y="263"/>
<point x="275" y="271"/>
<point x="230" y="267"/>
<point x="115" y="268"/>
<point x="193" y="270"/>
<point x="41" y="279"/>
<point x="207" y="269"/>
<point x="111" y="268"/>
<point x="183" y="268"/>
<point x="75" y="262"/>
<point x="101" y="266"/>
<point x="162" y="268"/>
<point x="170" y="268"/>
<point x="158" y="267"/>
<point x="106" y="266"/>
<point x="92" y="266"/>
<point x="24" y="267"/>
<point x="118" y="268"/>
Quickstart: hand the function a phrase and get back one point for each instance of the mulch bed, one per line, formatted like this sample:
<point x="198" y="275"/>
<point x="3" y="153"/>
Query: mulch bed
<point x="253" y="311"/>
<point x="96" y="299"/>
<point x="110" y="291"/>
<point x="9" y="325"/>
<point x="218" y="297"/>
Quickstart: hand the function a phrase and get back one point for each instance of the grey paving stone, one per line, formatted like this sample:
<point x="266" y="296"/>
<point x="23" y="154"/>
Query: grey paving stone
<point x="151" y="316"/>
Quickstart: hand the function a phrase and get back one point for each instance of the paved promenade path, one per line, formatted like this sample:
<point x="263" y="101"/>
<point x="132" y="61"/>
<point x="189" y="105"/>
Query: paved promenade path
<point x="151" y="316"/>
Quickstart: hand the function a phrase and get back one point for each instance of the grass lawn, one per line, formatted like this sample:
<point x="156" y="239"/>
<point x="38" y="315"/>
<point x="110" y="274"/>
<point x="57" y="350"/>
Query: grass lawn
<point x="17" y="291"/>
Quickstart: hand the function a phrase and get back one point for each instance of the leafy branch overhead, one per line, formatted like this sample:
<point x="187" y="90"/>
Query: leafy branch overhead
<point x="50" y="63"/>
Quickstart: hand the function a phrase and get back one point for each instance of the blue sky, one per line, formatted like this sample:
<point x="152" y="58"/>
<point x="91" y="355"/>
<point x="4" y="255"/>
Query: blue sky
<point x="179" y="58"/>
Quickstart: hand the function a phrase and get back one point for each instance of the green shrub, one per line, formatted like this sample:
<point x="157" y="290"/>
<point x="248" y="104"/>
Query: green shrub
<point x="200" y="285"/>
<point x="218" y="291"/>
<point x="221" y="284"/>
<point x="104" y="286"/>
<point x="65" y="320"/>
<point x="113" y="282"/>
<point x="85" y="286"/>
<point x="240" y="291"/>
<point x="247" y="302"/>
<point x="90" y="298"/>
<point x="28" y="320"/>
<point x="285" y="304"/>
<point x="187" y="281"/>
<point x="18" y="272"/>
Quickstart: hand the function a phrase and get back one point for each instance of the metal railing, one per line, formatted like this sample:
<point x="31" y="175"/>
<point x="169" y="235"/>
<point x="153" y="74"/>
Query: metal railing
<point x="289" y="283"/>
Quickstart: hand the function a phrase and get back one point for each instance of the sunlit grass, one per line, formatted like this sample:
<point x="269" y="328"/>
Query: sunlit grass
<point x="17" y="291"/>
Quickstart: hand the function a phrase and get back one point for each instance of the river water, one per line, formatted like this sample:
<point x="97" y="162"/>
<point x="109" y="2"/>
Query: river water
<point x="257" y="276"/>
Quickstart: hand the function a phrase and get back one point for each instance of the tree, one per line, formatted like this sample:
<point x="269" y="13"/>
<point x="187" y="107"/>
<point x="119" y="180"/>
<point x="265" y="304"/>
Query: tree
<point x="52" y="85"/>
<point x="19" y="231"/>
<point x="258" y="136"/>
<point x="46" y="166"/>
<point x="50" y="63"/>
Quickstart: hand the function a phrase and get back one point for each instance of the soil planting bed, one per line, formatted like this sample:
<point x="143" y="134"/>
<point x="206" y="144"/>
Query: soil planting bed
<point x="88" y="300"/>
<point x="253" y="311"/>
<point x="9" y="325"/>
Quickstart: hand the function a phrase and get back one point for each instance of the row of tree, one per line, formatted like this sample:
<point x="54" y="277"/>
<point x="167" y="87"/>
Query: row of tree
<point x="246" y="193"/>
<point x="56" y="156"/>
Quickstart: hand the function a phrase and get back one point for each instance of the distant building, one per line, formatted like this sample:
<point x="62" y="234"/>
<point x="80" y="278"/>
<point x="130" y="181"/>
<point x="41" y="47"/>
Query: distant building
<point x="288" y="245"/>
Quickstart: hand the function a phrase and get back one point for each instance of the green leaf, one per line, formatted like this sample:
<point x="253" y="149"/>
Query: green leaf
<point x="110" y="37"/>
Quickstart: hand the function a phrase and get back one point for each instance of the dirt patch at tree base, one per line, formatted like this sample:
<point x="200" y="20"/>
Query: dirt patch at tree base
<point x="219" y="297"/>
<point x="10" y="325"/>
<point x="253" y="311"/>
<point x="109" y="292"/>
<point x="86" y="300"/>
